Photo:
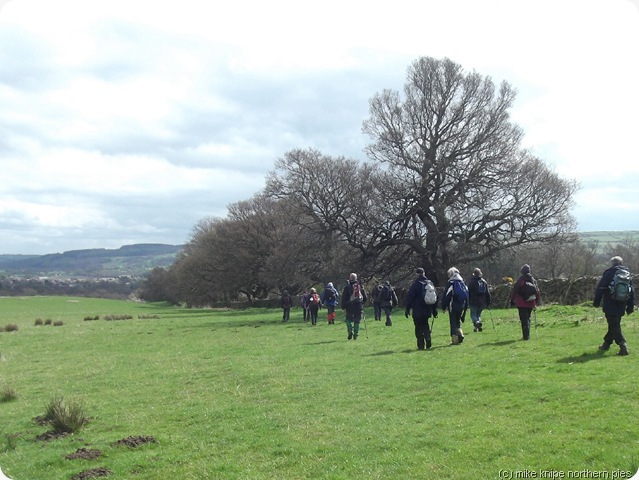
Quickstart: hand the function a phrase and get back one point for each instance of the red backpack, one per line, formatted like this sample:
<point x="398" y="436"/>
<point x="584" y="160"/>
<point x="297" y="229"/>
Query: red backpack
<point x="356" y="294"/>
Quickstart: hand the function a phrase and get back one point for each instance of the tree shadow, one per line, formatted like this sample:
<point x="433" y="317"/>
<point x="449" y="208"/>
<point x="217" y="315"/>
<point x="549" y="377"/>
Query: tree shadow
<point x="583" y="358"/>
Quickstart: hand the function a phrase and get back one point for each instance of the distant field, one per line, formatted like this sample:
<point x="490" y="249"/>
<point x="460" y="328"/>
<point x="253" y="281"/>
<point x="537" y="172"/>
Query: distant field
<point x="610" y="237"/>
<point x="240" y="395"/>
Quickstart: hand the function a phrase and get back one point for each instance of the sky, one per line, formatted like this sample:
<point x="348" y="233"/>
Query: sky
<point x="127" y="122"/>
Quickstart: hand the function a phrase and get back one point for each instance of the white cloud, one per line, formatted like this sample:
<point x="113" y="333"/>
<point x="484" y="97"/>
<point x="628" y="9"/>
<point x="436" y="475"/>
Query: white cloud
<point x="133" y="120"/>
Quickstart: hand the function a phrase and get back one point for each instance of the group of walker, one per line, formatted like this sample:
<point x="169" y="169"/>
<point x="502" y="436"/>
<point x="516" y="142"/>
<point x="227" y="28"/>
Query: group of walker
<point x="614" y="292"/>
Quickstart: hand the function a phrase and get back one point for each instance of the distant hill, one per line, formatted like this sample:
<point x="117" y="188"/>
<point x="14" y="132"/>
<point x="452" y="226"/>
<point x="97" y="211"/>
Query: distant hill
<point x="133" y="260"/>
<point x="139" y="259"/>
<point x="609" y="237"/>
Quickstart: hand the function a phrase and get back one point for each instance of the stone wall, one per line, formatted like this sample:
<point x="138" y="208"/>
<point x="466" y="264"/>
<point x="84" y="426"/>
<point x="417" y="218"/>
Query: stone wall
<point x="557" y="290"/>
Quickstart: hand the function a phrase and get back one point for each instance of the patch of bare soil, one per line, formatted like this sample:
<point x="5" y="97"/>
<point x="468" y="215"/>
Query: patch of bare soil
<point x="84" y="454"/>
<point x="93" y="473"/>
<point x="48" y="436"/>
<point x="134" y="442"/>
<point x="41" y="420"/>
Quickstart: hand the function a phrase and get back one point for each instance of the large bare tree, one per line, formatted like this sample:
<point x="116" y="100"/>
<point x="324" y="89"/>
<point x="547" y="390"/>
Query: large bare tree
<point x="470" y="189"/>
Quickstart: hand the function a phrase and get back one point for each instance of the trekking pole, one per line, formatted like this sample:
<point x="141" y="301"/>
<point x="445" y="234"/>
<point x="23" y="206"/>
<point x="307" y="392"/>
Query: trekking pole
<point x="491" y="319"/>
<point x="535" y="317"/>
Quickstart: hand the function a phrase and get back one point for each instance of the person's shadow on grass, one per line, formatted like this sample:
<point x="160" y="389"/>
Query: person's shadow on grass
<point x="583" y="358"/>
<point x="503" y="343"/>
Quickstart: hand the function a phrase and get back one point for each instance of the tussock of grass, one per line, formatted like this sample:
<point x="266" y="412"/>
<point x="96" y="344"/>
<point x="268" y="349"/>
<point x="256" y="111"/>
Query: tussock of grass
<point x="65" y="416"/>
<point x="8" y="394"/>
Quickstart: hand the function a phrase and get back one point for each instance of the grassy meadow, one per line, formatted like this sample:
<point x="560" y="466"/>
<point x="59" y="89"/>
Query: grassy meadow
<point x="240" y="395"/>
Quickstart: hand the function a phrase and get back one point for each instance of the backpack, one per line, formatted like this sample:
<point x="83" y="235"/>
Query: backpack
<point x="528" y="291"/>
<point x="429" y="294"/>
<point x="330" y="295"/>
<point x="387" y="294"/>
<point x="460" y="292"/>
<point x="315" y="300"/>
<point x="286" y="301"/>
<point x="620" y="286"/>
<point x="356" y="293"/>
<point x="482" y="286"/>
<point x="377" y="293"/>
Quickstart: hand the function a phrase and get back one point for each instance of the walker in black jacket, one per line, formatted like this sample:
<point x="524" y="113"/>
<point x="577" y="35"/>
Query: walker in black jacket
<point x="614" y="310"/>
<point x="421" y="310"/>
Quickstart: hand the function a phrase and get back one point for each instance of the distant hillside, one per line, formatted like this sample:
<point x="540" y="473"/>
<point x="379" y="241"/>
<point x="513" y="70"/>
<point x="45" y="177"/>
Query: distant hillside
<point x="133" y="260"/>
<point x="609" y="237"/>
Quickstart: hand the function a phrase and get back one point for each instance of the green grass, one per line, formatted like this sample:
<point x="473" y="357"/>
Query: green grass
<point x="239" y="395"/>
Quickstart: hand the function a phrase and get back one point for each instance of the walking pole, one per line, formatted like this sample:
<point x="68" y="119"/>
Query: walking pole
<point x="535" y="316"/>
<point x="491" y="319"/>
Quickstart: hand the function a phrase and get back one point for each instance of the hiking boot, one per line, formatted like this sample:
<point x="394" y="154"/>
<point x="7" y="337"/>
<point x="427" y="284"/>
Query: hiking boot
<point x="480" y="327"/>
<point x="428" y="343"/>
<point x="604" y="347"/>
<point x="420" y="344"/>
<point x="389" y="323"/>
<point x="623" y="350"/>
<point x="354" y="337"/>
<point x="350" y="335"/>
<point x="454" y="339"/>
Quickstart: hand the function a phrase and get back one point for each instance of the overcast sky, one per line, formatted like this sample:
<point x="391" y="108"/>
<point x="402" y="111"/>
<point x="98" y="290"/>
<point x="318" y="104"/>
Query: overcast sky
<point x="129" y="121"/>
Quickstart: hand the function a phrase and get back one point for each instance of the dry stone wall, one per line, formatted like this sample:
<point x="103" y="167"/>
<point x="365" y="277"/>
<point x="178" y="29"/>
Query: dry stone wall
<point x="557" y="290"/>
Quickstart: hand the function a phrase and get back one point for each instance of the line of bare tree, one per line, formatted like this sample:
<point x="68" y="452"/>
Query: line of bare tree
<point x="446" y="182"/>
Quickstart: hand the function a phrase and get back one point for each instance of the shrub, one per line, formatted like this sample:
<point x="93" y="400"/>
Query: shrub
<point x="48" y="321"/>
<point x="89" y="318"/>
<point x="65" y="417"/>
<point x="58" y="323"/>
<point x="39" y="321"/>
<point x="10" y="327"/>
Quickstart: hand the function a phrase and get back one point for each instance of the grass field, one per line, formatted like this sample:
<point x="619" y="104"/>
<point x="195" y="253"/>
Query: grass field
<point x="240" y="395"/>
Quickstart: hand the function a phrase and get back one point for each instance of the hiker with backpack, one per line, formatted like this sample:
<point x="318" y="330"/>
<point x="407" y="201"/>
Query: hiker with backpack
<point x="286" y="302"/>
<point x="455" y="300"/>
<point x="617" y="293"/>
<point x="422" y="300"/>
<point x="526" y="297"/>
<point x="314" y="304"/>
<point x="377" y="301"/>
<point x="478" y="298"/>
<point x="330" y="299"/>
<point x="388" y="300"/>
<point x="353" y="299"/>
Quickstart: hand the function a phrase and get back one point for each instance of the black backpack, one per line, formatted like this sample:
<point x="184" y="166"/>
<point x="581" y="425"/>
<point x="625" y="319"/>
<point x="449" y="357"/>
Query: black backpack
<point x="528" y="291"/>
<point x="387" y="294"/>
